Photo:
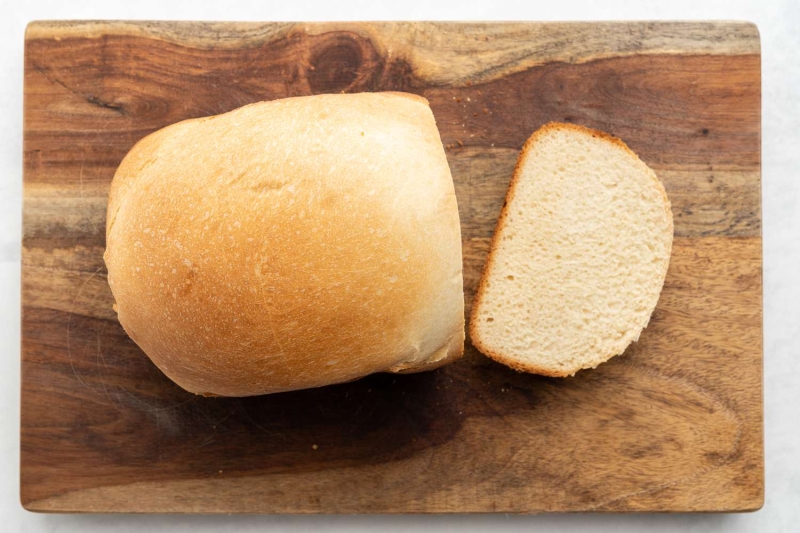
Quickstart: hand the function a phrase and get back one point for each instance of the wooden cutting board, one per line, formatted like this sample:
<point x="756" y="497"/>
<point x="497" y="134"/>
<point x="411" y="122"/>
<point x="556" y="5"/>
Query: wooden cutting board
<point x="675" y="424"/>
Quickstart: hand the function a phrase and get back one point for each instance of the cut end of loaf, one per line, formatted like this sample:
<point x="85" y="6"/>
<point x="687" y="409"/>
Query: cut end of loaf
<point x="579" y="255"/>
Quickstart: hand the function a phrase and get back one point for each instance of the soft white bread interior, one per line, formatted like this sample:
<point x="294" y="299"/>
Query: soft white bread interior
<point x="579" y="255"/>
<point x="289" y="244"/>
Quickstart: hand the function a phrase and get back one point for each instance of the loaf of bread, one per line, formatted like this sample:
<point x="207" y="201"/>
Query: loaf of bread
<point x="289" y="244"/>
<point x="578" y="257"/>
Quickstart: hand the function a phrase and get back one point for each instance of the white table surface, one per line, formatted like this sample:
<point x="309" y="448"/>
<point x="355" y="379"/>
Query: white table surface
<point x="778" y="22"/>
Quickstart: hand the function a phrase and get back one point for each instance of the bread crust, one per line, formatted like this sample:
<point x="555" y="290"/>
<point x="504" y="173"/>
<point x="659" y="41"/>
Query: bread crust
<point x="475" y="339"/>
<point x="289" y="244"/>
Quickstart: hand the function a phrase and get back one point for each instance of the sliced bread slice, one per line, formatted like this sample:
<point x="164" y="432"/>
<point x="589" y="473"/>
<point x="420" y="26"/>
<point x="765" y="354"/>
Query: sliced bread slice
<point x="579" y="254"/>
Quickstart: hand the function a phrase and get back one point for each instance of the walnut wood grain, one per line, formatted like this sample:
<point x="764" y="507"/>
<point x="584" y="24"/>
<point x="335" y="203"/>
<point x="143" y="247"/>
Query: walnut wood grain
<point x="675" y="424"/>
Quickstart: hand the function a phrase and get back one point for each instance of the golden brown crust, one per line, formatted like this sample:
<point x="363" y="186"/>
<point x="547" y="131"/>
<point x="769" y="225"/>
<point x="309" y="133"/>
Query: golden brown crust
<point x="289" y="244"/>
<point x="474" y="336"/>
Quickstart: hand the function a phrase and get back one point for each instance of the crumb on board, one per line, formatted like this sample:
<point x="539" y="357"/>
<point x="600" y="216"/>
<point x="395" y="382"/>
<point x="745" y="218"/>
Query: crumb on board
<point x="458" y="144"/>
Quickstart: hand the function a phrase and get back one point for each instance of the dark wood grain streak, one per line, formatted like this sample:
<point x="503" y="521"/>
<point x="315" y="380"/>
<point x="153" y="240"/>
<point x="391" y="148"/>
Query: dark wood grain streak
<point x="673" y="425"/>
